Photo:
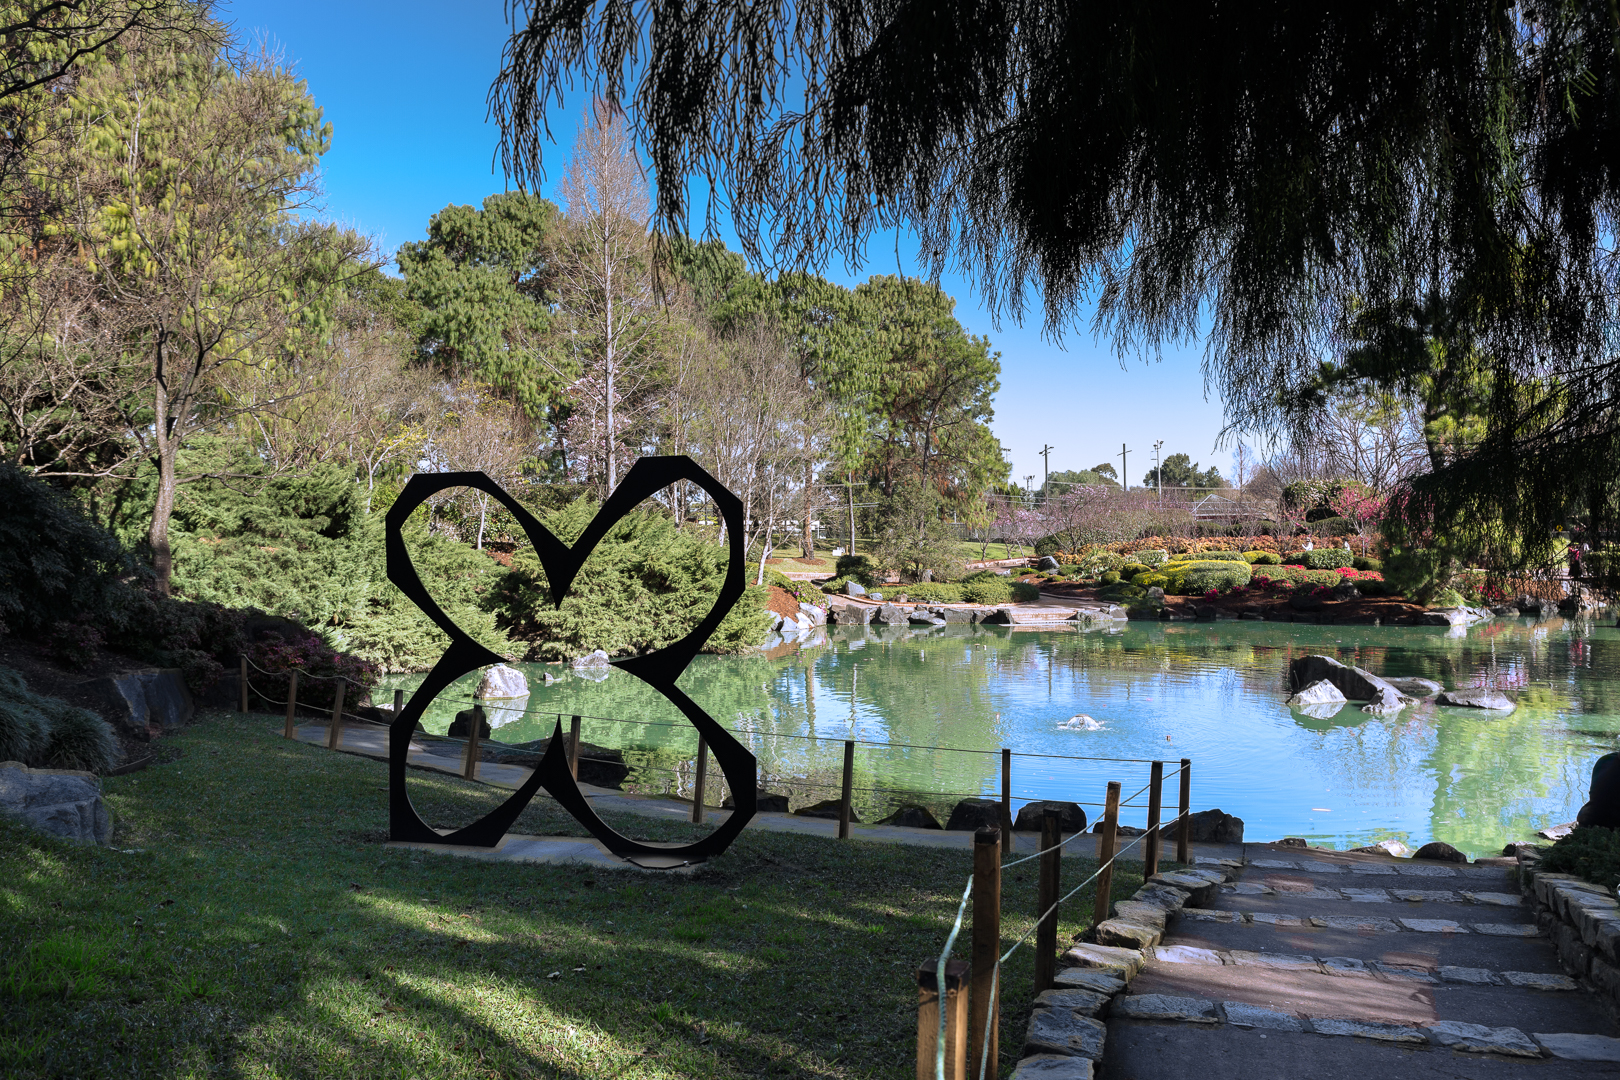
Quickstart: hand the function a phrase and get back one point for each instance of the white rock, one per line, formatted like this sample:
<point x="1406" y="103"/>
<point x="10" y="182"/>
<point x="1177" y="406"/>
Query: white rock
<point x="501" y="681"/>
<point x="597" y="659"/>
<point x="1320" y="692"/>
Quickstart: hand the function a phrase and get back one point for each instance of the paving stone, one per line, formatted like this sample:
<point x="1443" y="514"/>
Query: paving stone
<point x="1089" y="1002"/>
<point x="1346" y="966"/>
<point x="1506" y="929"/>
<point x="1281" y="961"/>
<point x="1217" y="864"/>
<point x="1054" y="1067"/>
<point x="1138" y="912"/>
<point x="1404" y="972"/>
<point x="1432" y="926"/>
<point x="1316" y="866"/>
<point x="1286" y="892"/>
<point x="1531" y="980"/>
<point x="1380" y="869"/>
<point x="1065" y="1031"/>
<point x="1191" y="880"/>
<point x="1498" y="899"/>
<point x="1572" y="1047"/>
<point x="1126" y="934"/>
<point x="1125" y="962"/>
<point x="1395" y="1033"/>
<point x="1354" y="922"/>
<point x="1162" y="896"/>
<point x="1468" y="976"/>
<point x="1186" y="954"/>
<point x="1419" y="896"/>
<point x="1275" y="864"/>
<point x="1094" y="979"/>
<point x="1424" y="870"/>
<point x="1366" y="896"/>
<point x="1272" y="918"/>
<point x="1241" y="1014"/>
<point x="1211" y="915"/>
<point x="1247" y="888"/>
<point x="1479" y="1039"/>
<point x="1163" y="1007"/>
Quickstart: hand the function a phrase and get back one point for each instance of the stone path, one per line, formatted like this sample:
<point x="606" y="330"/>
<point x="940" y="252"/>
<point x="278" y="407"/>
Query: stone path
<point x="1328" y="964"/>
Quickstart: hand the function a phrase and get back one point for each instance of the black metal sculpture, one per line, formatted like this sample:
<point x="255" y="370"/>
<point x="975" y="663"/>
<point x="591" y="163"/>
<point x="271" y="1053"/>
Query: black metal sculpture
<point x="659" y="669"/>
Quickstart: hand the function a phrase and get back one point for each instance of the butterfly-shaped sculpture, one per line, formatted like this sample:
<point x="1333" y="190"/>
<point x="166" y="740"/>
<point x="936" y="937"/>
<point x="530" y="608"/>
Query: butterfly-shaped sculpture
<point x="659" y="669"/>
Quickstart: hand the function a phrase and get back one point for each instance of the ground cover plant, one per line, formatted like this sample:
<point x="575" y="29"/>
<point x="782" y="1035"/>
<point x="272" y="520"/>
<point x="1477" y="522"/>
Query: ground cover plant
<point x="249" y="920"/>
<point x="1592" y="853"/>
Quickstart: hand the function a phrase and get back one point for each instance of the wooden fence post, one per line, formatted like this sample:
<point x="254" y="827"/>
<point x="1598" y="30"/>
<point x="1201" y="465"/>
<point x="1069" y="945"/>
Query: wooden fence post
<point x="1006" y="801"/>
<point x="1105" y="852"/>
<point x="849" y="789"/>
<point x="1184" y="834"/>
<point x="244" y="684"/>
<point x="986" y="1007"/>
<point x="475" y="732"/>
<point x="292" y="702"/>
<point x="573" y="749"/>
<point x="956" y="1021"/>
<point x="1150" y="843"/>
<point x="700" y="775"/>
<point x="1046" y="895"/>
<point x="399" y="703"/>
<point x="334" y="732"/>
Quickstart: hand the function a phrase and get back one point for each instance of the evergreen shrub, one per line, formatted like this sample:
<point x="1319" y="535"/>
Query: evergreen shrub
<point x="858" y="568"/>
<point x="987" y="589"/>
<point x="1024" y="592"/>
<point x="1221" y="556"/>
<point x="932" y="592"/>
<point x="47" y="733"/>
<point x="1262" y="558"/>
<point x="1366" y="564"/>
<point x="54" y="561"/>
<point x="1110" y="578"/>
<point x="1323" y="559"/>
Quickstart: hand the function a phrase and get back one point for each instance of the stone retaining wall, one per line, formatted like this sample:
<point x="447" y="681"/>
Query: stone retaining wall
<point x="1582" y="920"/>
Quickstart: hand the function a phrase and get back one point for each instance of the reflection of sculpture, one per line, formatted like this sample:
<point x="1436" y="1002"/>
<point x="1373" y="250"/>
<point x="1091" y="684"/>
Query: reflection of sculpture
<point x="659" y="669"/>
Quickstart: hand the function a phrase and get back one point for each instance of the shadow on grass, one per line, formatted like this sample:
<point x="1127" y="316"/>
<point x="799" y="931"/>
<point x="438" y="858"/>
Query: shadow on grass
<point x="250" y="922"/>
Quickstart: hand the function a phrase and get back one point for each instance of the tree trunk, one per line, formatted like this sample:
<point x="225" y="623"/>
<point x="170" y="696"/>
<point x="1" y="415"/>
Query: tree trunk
<point x="163" y="508"/>
<point x="850" y="487"/>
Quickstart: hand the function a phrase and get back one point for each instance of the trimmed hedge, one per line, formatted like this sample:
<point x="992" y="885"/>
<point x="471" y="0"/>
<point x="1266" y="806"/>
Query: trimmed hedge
<point x="1131" y="569"/>
<point x="1221" y="556"/>
<point x="931" y="592"/>
<point x="1195" y="578"/>
<point x="988" y="590"/>
<point x="1374" y="565"/>
<point x="1024" y="593"/>
<point x="1262" y="558"/>
<point x="1295" y="575"/>
<point x="1323" y="559"/>
<point x="1110" y="577"/>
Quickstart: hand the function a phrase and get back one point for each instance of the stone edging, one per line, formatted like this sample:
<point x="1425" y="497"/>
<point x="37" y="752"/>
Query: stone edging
<point x="1583" y="921"/>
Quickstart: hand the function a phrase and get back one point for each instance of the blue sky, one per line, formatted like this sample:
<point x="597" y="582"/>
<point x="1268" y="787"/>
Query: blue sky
<point x="404" y="85"/>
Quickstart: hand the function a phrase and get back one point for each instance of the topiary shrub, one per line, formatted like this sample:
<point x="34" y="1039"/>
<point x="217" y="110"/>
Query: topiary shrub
<point x="1221" y="576"/>
<point x="1152" y="579"/>
<point x="1262" y="558"/>
<point x="1334" y="526"/>
<point x="857" y="567"/>
<point x="1221" y="556"/>
<point x="1323" y="559"/>
<point x="1048" y="545"/>
<point x="1373" y="587"/>
<point x="987" y="590"/>
<point x="1364" y="564"/>
<point x="1111" y="577"/>
<point x="1131" y="569"/>
<point x="1025" y="593"/>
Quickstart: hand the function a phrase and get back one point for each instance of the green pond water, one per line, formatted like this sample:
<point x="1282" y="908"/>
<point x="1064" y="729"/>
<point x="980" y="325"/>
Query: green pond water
<point x="1210" y="692"/>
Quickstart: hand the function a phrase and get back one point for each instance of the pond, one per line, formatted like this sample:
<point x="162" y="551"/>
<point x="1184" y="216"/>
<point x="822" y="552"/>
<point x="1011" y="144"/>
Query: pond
<point x="1210" y="692"/>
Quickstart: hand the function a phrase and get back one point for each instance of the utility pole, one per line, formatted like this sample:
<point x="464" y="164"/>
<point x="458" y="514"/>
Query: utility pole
<point x="1027" y="481"/>
<point x="1158" y="474"/>
<point x="1124" y="469"/>
<point x="1046" y="464"/>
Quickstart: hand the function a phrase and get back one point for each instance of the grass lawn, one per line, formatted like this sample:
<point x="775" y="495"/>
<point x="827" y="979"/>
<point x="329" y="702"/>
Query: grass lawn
<point x="254" y="924"/>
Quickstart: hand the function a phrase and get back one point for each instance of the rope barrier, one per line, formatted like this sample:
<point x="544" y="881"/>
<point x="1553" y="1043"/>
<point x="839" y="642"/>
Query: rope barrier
<point x="950" y="943"/>
<point x="302" y="672"/>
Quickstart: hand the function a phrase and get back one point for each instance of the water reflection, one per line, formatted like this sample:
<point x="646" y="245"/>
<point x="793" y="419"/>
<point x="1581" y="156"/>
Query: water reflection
<point x="1214" y="693"/>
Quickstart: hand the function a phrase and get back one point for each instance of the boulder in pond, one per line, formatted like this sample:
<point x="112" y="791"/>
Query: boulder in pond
<point x="1441" y="852"/>
<point x="1320" y="692"/>
<point x="826" y="808"/>
<point x="768" y="803"/>
<point x="1603" y="798"/>
<point x="1030" y="814"/>
<point x="1536" y="606"/>
<point x="847" y="614"/>
<point x="1216" y="827"/>
<point x="970" y="815"/>
<point x="1121" y="830"/>
<point x="1353" y="682"/>
<point x="595" y="659"/>
<point x="1416" y="688"/>
<point x="501" y="681"/>
<point x="891" y="615"/>
<point x="1484" y="698"/>
<point x="1385" y="847"/>
<point x="912" y="817"/>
